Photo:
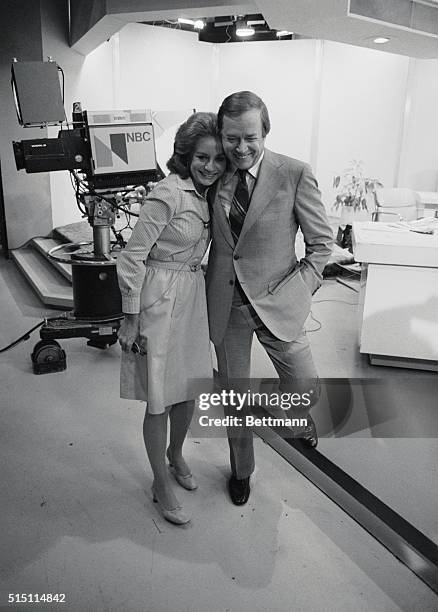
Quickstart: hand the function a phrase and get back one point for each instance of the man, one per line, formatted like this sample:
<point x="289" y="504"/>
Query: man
<point x="255" y="284"/>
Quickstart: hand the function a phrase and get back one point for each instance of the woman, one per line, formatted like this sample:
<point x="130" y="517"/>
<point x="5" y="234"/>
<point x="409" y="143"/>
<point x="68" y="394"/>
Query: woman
<point x="163" y="299"/>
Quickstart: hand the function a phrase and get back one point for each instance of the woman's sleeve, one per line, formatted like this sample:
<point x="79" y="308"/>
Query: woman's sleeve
<point x="155" y="214"/>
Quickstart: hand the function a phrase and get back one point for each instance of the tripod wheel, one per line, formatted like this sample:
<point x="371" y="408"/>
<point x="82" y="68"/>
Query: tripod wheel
<point x="48" y="356"/>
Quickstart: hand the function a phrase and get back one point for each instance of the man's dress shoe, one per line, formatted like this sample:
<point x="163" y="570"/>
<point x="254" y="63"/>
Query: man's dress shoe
<point x="310" y="435"/>
<point x="239" y="490"/>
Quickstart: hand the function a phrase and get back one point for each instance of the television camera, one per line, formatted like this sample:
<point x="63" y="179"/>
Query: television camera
<point x="112" y="162"/>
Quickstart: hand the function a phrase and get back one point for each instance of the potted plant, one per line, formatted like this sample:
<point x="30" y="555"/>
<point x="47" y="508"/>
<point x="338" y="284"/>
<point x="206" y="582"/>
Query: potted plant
<point x="354" y="192"/>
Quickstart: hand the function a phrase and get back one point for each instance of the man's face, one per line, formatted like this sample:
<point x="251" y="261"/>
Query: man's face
<point x="242" y="139"/>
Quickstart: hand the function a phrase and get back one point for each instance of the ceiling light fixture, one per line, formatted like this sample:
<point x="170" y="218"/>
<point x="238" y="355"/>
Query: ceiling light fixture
<point x="381" y="40"/>
<point x="243" y="30"/>
<point x="198" y="24"/>
<point x="284" y="33"/>
<point x="186" y="21"/>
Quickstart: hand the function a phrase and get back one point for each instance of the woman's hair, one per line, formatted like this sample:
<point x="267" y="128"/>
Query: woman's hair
<point x="238" y="103"/>
<point x="197" y="126"/>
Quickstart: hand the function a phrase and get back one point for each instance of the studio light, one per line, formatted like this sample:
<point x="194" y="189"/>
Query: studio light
<point x="198" y="24"/>
<point x="381" y="40"/>
<point x="186" y="21"/>
<point x="243" y="30"/>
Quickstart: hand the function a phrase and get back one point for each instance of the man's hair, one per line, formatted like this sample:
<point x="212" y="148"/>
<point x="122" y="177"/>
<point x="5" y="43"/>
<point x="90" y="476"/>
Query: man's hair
<point x="240" y="102"/>
<point x="197" y="126"/>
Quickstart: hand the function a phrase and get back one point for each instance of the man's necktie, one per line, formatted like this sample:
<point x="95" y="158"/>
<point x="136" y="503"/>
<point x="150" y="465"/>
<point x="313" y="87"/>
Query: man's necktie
<point x="239" y="206"/>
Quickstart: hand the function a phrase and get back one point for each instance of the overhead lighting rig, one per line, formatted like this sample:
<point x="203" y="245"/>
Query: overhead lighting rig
<point x="241" y="28"/>
<point x="229" y="28"/>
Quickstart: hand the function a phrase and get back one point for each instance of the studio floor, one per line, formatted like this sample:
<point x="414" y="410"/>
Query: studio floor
<point x="78" y="518"/>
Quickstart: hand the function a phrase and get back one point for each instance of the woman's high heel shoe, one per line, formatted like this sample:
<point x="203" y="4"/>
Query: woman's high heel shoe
<point x="175" y="515"/>
<point x="187" y="482"/>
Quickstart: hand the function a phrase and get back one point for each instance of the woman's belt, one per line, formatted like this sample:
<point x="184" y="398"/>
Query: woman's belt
<point x="173" y="265"/>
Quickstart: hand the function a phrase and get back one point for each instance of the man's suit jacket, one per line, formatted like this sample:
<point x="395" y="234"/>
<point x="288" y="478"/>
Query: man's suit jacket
<point x="279" y="287"/>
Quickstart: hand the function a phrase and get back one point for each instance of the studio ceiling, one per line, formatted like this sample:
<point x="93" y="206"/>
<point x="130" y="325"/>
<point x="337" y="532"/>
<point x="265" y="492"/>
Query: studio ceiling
<point x="411" y="26"/>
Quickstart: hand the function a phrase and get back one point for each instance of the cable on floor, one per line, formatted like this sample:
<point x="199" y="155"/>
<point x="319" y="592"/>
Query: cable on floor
<point x="309" y="331"/>
<point x="319" y="322"/>
<point x="22" y="338"/>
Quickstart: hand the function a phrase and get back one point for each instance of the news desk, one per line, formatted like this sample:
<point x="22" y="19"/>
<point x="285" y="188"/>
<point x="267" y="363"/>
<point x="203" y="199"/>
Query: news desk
<point x="398" y="299"/>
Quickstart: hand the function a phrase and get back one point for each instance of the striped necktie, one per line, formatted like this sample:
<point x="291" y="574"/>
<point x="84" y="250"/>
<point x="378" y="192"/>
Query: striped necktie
<point x="239" y="206"/>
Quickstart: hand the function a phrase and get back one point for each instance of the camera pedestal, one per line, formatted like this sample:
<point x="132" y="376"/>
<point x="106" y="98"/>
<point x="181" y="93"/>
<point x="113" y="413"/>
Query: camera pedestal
<point x="97" y="303"/>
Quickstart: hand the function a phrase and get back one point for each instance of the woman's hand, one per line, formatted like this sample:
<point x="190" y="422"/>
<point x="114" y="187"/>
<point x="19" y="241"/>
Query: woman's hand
<point x="128" y="331"/>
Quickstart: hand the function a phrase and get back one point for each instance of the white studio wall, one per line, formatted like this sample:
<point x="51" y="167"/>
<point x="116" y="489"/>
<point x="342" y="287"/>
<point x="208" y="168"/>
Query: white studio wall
<point x="419" y="168"/>
<point x="139" y="67"/>
<point x="164" y="70"/>
<point x="361" y="113"/>
<point x="93" y="86"/>
<point x="329" y="103"/>
<point x="283" y="75"/>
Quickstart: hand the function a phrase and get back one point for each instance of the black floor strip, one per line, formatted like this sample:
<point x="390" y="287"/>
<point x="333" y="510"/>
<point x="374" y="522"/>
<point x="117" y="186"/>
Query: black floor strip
<point x="401" y="538"/>
<point x="405" y="541"/>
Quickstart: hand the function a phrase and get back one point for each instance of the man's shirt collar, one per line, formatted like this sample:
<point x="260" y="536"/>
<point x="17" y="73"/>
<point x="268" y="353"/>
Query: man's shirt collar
<point x="254" y="171"/>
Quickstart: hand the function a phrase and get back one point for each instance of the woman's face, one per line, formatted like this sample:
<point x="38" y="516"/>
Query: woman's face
<point x="208" y="162"/>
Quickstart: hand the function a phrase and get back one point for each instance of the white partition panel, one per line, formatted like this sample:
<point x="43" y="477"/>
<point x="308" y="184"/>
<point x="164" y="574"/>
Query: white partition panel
<point x="93" y="86"/>
<point x="283" y="75"/>
<point x="420" y="155"/>
<point x="329" y="103"/>
<point x="362" y="105"/>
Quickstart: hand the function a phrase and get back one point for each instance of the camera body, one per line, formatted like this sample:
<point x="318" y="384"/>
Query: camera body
<point x="112" y="148"/>
<point x="67" y="152"/>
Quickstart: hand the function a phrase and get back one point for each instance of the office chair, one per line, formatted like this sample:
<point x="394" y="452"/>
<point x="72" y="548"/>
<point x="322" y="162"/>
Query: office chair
<point x="396" y="204"/>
